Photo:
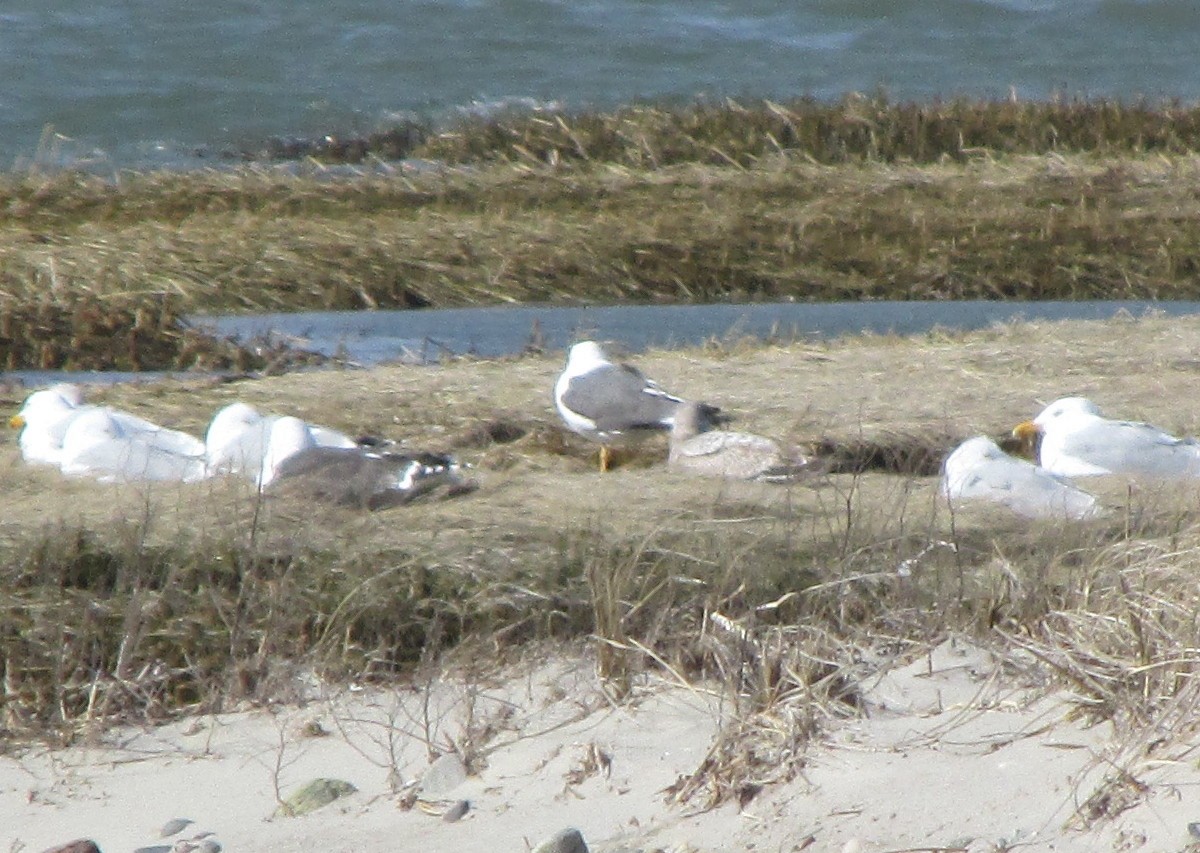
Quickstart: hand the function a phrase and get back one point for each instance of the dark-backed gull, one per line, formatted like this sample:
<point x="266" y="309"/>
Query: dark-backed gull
<point x="366" y="478"/>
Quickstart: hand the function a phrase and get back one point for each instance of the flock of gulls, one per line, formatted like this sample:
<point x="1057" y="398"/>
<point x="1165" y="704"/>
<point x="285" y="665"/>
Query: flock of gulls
<point x="58" y="428"/>
<point x="607" y="401"/>
<point x="1071" y="440"/>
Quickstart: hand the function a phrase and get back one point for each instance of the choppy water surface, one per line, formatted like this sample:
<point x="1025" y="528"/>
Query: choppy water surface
<point x="159" y="81"/>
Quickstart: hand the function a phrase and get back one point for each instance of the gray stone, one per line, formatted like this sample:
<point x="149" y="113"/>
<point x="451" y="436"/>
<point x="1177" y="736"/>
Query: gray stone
<point x="443" y="776"/>
<point x="564" y="841"/>
<point x="456" y="811"/>
<point x="314" y="795"/>
<point x="171" y="827"/>
<point x="79" y="845"/>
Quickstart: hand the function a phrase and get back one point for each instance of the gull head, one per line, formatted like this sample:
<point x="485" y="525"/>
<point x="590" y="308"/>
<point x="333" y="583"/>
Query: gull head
<point x="48" y="405"/>
<point x="585" y="355"/>
<point x="1066" y="409"/>
<point x="1062" y="412"/>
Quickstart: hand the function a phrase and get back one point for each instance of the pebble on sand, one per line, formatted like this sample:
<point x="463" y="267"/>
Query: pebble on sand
<point x="443" y="775"/>
<point x="314" y="795"/>
<point x="564" y="841"/>
<point x="174" y="826"/>
<point x="79" y="845"/>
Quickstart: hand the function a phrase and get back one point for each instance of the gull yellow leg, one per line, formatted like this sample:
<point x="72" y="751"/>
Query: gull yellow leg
<point x="605" y="458"/>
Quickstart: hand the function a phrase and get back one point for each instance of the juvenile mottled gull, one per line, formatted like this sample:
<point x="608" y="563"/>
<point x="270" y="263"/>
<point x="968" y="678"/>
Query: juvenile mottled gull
<point x="368" y="479"/>
<point x="1076" y="441"/>
<point x="698" y="448"/>
<point x="610" y="402"/>
<point x="978" y="470"/>
<point x="240" y="440"/>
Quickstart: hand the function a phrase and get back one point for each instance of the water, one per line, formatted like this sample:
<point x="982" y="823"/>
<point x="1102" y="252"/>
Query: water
<point x="425" y="337"/>
<point x="174" y="82"/>
<point x="371" y="337"/>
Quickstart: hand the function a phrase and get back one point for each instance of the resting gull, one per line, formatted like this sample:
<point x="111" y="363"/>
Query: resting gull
<point x="368" y="479"/>
<point x="698" y="448"/>
<point x="241" y="440"/>
<point x="57" y="428"/>
<point x="117" y="447"/>
<point x="43" y="421"/>
<point x="610" y="402"/>
<point x="1076" y="441"/>
<point x="978" y="470"/>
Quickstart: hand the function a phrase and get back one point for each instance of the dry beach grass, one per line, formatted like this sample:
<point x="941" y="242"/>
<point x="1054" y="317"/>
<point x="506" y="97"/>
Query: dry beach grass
<point x="128" y="604"/>
<point x="866" y="200"/>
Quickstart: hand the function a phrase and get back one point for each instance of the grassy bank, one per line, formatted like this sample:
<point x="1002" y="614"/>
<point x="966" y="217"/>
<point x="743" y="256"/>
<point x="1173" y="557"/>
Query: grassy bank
<point x="860" y="200"/>
<point x="127" y="603"/>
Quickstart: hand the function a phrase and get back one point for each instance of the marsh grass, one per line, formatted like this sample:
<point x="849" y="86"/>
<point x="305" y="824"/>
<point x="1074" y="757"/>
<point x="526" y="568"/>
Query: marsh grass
<point x="708" y="203"/>
<point x="128" y="604"/>
<point x="857" y="128"/>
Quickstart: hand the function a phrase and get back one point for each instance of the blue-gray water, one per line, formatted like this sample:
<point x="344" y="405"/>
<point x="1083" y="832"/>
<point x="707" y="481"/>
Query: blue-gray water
<point x="371" y="337"/>
<point x="144" y="82"/>
<point x="418" y="337"/>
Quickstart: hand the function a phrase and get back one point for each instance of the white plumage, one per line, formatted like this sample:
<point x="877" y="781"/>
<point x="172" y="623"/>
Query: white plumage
<point x="43" y="421"/>
<point x="117" y="447"/>
<point x="241" y="440"/>
<point x="1077" y="441"/>
<point x="978" y="470"/>
<point x="57" y="428"/>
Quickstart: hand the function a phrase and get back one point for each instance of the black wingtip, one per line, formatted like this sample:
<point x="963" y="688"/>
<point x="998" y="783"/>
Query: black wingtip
<point x="714" y="415"/>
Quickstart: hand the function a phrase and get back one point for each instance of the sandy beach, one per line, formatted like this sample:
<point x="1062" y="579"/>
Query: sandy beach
<point x="956" y="750"/>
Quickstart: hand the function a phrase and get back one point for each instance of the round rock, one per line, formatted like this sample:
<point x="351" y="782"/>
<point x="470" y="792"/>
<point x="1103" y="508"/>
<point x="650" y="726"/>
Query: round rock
<point x="564" y="841"/>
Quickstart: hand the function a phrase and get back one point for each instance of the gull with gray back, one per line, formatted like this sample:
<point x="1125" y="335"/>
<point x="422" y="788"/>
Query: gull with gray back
<point x="1075" y="440"/>
<point x="610" y="402"/>
<point x="368" y="479"/>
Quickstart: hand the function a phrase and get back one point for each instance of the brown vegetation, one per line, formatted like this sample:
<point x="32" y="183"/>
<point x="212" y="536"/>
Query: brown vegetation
<point x="128" y="603"/>
<point x="862" y="200"/>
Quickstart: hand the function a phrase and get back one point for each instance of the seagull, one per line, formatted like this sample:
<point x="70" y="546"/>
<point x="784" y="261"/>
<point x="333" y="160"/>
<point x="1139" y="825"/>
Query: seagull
<point x="1076" y="441"/>
<point x="610" y="402"/>
<point x="978" y="470"/>
<point x="368" y="479"/>
<point x="43" y="421"/>
<point x="116" y="447"/>
<point x="59" y="429"/>
<point x="697" y="448"/>
<point x="241" y="440"/>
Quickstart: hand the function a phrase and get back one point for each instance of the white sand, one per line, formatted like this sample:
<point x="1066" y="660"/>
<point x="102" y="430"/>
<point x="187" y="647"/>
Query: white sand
<point x="952" y="751"/>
